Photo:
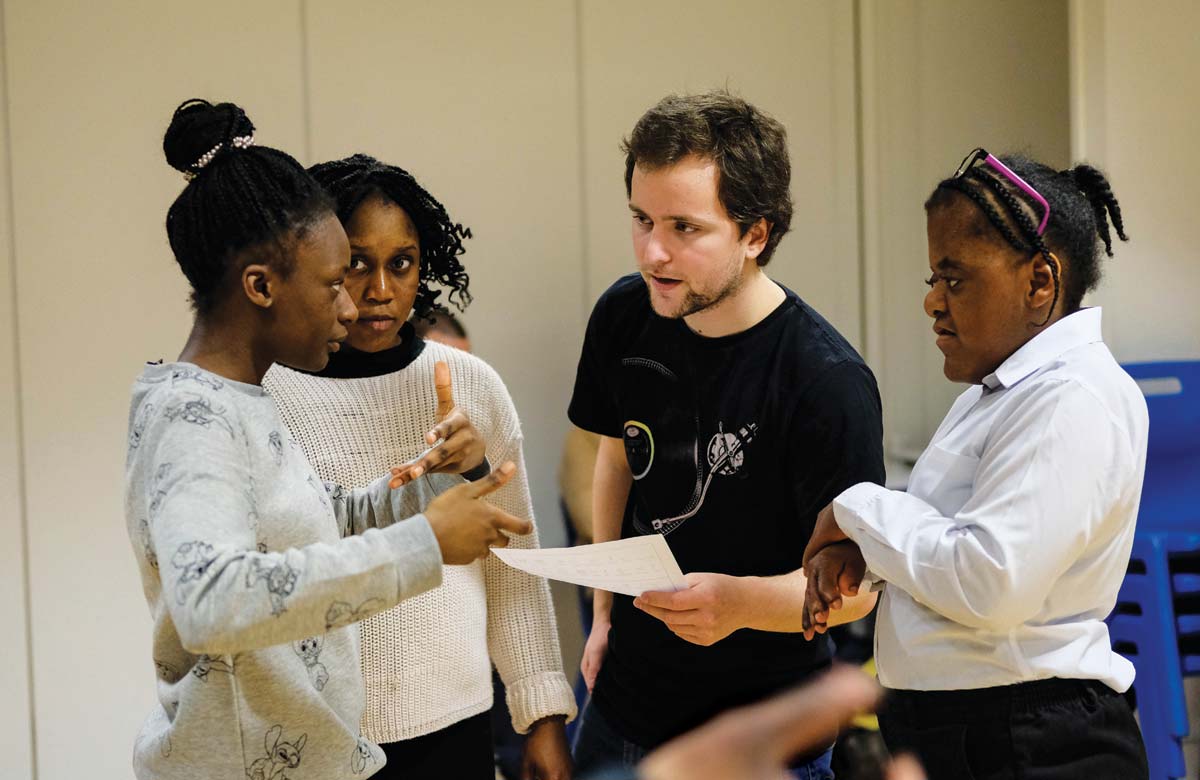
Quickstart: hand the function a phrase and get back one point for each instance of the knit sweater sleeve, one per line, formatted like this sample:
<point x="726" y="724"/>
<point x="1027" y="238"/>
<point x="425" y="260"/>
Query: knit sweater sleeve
<point x="522" y="634"/>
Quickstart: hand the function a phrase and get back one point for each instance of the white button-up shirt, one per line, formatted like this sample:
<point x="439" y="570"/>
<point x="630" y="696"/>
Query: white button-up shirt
<point x="1006" y="554"/>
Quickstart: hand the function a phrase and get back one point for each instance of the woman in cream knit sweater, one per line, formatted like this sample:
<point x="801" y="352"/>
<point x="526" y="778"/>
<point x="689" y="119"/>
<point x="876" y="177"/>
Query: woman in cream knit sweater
<point x="427" y="663"/>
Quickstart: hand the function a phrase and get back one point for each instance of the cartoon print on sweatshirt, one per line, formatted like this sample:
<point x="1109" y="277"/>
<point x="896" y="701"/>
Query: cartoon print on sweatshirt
<point x="320" y="488"/>
<point x="361" y="756"/>
<point x="280" y="578"/>
<point x="336" y="492"/>
<point x="275" y="442"/>
<point x="342" y="614"/>
<point x="138" y="429"/>
<point x="281" y="756"/>
<point x="200" y="411"/>
<point x="252" y="519"/>
<point x="206" y="664"/>
<point x="192" y="559"/>
<point x="159" y="491"/>
<point x="186" y="374"/>
<point x="252" y="524"/>
<point x="309" y="651"/>
<point x="147" y="543"/>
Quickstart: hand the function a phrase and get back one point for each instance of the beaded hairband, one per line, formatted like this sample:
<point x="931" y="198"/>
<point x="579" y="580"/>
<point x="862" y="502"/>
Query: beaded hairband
<point x="237" y="142"/>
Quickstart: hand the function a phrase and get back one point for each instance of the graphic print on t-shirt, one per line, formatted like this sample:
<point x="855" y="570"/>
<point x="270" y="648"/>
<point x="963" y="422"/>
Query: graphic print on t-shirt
<point x="725" y="454"/>
<point x="671" y="457"/>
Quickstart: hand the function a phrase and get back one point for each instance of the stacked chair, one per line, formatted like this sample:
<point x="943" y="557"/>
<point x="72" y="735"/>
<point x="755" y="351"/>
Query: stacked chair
<point x="1156" y="623"/>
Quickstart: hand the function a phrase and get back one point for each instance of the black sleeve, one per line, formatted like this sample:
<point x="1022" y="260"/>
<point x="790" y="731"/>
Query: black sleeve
<point x="593" y="402"/>
<point x="836" y="439"/>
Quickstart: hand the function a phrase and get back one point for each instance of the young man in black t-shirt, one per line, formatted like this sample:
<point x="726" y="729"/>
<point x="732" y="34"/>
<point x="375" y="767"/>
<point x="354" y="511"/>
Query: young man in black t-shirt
<point x="730" y="413"/>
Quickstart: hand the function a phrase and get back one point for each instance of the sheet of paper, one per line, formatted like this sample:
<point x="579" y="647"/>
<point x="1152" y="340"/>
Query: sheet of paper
<point x="629" y="566"/>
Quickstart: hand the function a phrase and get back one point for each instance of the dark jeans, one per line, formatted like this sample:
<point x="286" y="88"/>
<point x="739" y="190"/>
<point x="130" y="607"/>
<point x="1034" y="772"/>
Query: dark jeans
<point x="1042" y="730"/>
<point x="599" y="748"/>
<point x="462" y="751"/>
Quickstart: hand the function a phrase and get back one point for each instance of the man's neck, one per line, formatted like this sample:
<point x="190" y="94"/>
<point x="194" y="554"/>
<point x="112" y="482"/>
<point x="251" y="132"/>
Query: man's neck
<point x="755" y="299"/>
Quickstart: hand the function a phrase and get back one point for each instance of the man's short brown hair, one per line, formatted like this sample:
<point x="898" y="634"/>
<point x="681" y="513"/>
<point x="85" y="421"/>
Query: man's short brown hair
<point x="748" y="146"/>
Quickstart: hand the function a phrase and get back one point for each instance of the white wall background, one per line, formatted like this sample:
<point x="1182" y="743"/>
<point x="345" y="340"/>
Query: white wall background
<point x="512" y="115"/>
<point x="939" y="78"/>
<point x="1135" y="110"/>
<point x="16" y="732"/>
<point x="90" y="88"/>
<point x="794" y="59"/>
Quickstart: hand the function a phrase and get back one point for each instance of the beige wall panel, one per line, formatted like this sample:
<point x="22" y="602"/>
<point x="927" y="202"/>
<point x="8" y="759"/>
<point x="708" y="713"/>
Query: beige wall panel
<point x="479" y="101"/>
<point x="941" y="77"/>
<point x="16" y="735"/>
<point x="92" y="87"/>
<point x="1144" y="59"/>
<point x="792" y="59"/>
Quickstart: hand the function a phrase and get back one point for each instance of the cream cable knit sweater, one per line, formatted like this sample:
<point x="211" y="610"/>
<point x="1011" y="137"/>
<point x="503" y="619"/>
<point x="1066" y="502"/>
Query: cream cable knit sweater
<point x="427" y="662"/>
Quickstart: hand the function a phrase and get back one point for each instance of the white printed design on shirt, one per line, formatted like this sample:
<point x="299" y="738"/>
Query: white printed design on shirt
<point x="725" y="456"/>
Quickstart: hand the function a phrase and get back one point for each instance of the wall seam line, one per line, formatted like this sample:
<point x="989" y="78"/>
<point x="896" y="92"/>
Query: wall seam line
<point x="22" y="494"/>
<point x="306" y="83"/>
<point x="584" y="222"/>
<point x="859" y="182"/>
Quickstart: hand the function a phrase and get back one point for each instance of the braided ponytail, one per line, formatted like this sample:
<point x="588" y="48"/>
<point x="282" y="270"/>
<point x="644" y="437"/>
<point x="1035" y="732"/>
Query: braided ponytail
<point x="1094" y="186"/>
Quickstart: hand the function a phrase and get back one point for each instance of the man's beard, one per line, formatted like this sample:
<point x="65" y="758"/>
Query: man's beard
<point x="694" y="302"/>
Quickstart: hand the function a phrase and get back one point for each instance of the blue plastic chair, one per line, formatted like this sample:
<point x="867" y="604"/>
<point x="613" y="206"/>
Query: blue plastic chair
<point x="1171" y="493"/>
<point x="1156" y="622"/>
<point x="1152" y="626"/>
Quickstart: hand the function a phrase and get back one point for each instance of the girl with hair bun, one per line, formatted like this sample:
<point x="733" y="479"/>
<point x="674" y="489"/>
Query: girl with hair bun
<point x="1004" y="557"/>
<point x="253" y="568"/>
<point x="386" y="397"/>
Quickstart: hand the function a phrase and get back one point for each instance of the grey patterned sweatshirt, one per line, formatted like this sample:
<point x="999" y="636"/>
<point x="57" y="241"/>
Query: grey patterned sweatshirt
<point x="254" y="570"/>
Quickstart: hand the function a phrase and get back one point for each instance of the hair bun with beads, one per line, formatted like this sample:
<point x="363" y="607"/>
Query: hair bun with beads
<point x="239" y="196"/>
<point x="200" y="131"/>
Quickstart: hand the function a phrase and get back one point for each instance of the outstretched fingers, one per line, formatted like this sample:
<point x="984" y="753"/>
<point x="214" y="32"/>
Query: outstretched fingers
<point x="444" y="389"/>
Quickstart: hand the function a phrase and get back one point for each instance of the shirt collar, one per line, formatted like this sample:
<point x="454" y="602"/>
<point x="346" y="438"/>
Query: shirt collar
<point x="1074" y="330"/>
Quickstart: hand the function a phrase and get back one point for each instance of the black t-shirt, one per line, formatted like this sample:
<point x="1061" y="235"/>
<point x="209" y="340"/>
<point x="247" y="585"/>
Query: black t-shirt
<point x="735" y="444"/>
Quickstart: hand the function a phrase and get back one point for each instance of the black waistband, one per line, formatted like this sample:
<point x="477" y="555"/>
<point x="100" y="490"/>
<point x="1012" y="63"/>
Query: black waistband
<point x="1013" y="698"/>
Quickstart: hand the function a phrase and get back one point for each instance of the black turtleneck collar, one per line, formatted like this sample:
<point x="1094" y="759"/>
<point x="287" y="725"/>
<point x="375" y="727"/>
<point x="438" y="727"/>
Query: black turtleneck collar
<point x="350" y="363"/>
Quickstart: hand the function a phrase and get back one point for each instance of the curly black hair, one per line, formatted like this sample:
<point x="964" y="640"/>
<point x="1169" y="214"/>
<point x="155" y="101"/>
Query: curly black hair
<point x="351" y="180"/>
<point x="240" y="195"/>
<point x="1081" y="205"/>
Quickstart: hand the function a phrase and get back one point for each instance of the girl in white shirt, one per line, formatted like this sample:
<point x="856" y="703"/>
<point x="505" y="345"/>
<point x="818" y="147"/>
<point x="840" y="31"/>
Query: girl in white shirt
<point x="1006" y="553"/>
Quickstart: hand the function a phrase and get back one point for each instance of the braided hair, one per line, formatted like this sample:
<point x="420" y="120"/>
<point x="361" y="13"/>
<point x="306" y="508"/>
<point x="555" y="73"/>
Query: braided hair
<point x="239" y="196"/>
<point x="1081" y="205"/>
<point x="351" y="180"/>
